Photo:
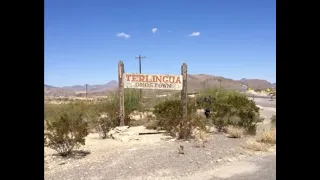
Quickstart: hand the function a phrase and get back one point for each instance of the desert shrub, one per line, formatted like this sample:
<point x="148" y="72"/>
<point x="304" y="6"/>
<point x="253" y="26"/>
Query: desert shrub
<point x="207" y="97"/>
<point x="258" y="90"/>
<point x="152" y="124"/>
<point x="104" y="114"/>
<point x="103" y="117"/>
<point x="67" y="127"/>
<point x="105" y="124"/>
<point x="50" y="110"/>
<point x="234" y="132"/>
<point x="262" y="142"/>
<point x="273" y="120"/>
<point x="232" y="108"/>
<point x="253" y="145"/>
<point x="268" y="137"/>
<point x="169" y="116"/>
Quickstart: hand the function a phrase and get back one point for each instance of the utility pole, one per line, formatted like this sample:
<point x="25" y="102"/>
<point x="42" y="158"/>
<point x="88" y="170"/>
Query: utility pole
<point x="86" y="91"/>
<point x="140" y="57"/>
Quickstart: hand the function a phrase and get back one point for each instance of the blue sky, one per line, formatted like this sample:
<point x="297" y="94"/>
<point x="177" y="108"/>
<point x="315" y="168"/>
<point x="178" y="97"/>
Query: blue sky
<point x="236" y="38"/>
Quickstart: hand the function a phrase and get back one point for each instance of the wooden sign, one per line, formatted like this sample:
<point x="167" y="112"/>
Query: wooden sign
<point x="152" y="81"/>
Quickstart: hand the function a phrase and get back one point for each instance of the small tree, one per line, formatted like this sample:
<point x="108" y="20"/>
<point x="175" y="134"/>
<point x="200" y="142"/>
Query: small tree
<point x="67" y="128"/>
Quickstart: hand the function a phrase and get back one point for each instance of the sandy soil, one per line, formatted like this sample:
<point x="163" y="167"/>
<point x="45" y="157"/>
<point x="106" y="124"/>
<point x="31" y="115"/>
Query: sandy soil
<point x="154" y="157"/>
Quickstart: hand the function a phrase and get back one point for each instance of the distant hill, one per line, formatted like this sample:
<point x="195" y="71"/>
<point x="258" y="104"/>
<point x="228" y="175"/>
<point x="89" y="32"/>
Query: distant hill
<point x="57" y="91"/>
<point x="256" y="83"/>
<point x="93" y="88"/>
<point x="195" y="83"/>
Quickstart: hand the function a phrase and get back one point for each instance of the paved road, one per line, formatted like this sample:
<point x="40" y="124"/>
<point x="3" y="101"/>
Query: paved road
<point x="257" y="168"/>
<point x="266" y="170"/>
<point x="265" y="102"/>
<point x="257" y="96"/>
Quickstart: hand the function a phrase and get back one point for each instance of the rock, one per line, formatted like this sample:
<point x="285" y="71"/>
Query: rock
<point x="230" y="160"/>
<point x="130" y="133"/>
<point x="125" y="139"/>
<point x="121" y="128"/>
<point x="135" y="138"/>
<point x="218" y="160"/>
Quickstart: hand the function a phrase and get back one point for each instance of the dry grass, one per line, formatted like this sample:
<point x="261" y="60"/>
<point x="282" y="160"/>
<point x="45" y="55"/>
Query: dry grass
<point x="253" y="145"/>
<point x="234" y="132"/>
<point x="200" y="136"/>
<point x="262" y="142"/>
<point x="268" y="137"/>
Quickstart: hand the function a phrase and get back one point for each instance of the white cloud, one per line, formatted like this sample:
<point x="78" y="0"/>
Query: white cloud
<point x="195" y="34"/>
<point x="123" y="35"/>
<point x="154" y="30"/>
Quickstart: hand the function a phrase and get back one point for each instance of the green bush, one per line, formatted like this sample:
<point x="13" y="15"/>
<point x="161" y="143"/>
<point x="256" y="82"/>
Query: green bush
<point x="169" y="116"/>
<point x="232" y="108"/>
<point x="66" y="127"/>
<point x="104" y="117"/>
<point x="101" y="115"/>
<point x="50" y="110"/>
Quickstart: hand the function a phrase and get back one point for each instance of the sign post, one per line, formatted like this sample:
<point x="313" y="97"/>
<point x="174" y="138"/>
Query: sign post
<point x="121" y="92"/>
<point x="184" y="91"/>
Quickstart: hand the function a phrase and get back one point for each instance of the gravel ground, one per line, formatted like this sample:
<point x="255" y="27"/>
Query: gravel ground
<point x="154" y="158"/>
<point x="113" y="160"/>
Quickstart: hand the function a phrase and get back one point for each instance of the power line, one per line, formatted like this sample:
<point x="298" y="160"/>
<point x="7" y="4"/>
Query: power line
<point x="140" y="57"/>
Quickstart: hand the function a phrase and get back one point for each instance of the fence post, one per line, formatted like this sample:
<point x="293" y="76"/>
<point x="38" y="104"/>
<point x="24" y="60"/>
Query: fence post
<point x="184" y="91"/>
<point x="121" y="92"/>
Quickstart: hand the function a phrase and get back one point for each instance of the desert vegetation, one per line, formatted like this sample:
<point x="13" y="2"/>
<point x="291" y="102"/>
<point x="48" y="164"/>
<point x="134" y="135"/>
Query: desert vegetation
<point x="67" y="124"/>
<point x="86" y="134"/>
<point x="262" y="142"/>
<point x="231" y="108"/>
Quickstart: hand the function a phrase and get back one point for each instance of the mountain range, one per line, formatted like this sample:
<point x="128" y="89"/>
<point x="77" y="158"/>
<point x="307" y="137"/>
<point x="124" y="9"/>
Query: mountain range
<point x="195" y="83"/>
